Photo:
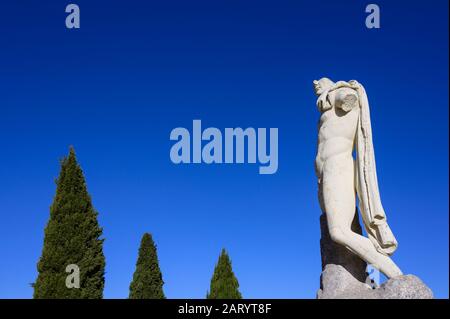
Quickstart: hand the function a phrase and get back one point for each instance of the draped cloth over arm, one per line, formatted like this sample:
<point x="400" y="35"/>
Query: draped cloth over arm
<point x="370" y="205"/>
<point x="373" y="214"/>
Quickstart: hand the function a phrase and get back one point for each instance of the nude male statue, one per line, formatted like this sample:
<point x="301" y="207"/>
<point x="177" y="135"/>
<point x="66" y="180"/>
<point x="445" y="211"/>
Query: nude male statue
<point x="345" y="125"/>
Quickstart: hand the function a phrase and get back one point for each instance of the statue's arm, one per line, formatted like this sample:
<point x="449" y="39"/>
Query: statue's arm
<point x="346" y="99"/>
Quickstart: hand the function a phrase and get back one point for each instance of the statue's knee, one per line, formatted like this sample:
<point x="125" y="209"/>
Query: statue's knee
<point x="337" y="235"/>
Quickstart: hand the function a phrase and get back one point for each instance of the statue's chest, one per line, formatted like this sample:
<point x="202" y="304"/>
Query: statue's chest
<point x="338" y="124"/>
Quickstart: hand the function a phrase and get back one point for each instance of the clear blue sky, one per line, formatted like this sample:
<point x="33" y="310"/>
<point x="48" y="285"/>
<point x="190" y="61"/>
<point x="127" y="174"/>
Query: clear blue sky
<point x="137" y="69"/>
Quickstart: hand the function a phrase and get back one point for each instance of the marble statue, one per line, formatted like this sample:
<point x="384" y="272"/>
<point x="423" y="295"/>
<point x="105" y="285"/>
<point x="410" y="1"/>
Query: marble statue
<point x="345" y="126"/>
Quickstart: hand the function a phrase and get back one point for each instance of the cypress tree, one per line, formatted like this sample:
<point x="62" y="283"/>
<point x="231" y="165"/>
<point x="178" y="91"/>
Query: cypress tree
<point x="224" y="284"/>
<point x="72" y="236"/>
<point x="147" y="280"/>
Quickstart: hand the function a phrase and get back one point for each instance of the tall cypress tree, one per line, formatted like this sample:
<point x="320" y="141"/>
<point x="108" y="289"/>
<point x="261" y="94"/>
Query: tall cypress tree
<point x="72" y="236"/>
<point x="147" y="279"/>
<point x="224" y="284"/>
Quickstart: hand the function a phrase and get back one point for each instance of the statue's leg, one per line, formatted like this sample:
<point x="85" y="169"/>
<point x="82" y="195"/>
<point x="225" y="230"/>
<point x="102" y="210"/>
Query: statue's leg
<point x="340" y="200"/>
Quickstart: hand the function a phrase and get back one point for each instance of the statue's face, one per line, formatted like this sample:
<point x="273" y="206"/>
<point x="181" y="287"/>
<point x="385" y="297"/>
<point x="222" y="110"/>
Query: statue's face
<point x="321" y="85"/>
<point x="317" y="88"/>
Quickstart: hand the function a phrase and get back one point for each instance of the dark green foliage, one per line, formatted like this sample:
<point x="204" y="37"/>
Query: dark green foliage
<point x="224" y="284"/>
<point x="147" y="279"/>
<point x="72" y="236"/>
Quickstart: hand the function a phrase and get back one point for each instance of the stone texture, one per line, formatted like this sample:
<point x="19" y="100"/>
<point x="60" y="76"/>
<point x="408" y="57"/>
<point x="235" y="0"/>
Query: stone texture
<point x="404" y="287"/>
<point x="340" y="284"/>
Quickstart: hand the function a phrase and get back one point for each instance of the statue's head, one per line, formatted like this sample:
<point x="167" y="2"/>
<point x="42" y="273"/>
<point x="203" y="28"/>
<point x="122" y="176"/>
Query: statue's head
<point x="321" y="85"/>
